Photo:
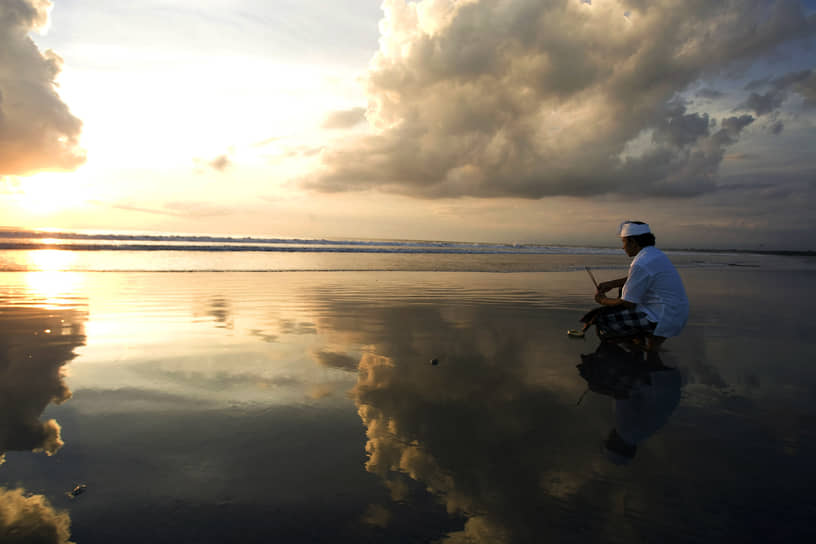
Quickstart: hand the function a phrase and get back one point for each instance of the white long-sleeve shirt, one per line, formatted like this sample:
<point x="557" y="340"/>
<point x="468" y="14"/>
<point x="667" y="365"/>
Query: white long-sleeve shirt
<point x="656" y="289"/>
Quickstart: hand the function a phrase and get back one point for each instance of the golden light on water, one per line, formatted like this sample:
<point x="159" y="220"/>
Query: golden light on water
<point x="50" y="278"/>
<point x="50" y="260"/>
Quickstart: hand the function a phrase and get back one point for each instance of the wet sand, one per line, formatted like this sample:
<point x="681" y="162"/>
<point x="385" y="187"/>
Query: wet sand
<point x="303" y="407"/>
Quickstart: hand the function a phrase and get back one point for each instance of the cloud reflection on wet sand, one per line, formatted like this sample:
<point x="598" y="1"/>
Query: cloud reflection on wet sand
<point x="494" y="433"/>
<point x="26" y="518"/>
<point x="35" y="344"/>
<point x="496" y="443"/>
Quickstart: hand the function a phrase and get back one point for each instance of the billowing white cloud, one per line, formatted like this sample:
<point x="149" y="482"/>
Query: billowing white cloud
<point x="527" y="98"/>
<point x="37" y="130"/>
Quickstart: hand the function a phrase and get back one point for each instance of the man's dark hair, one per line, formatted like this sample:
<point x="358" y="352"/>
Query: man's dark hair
<point x="643" y="240"/>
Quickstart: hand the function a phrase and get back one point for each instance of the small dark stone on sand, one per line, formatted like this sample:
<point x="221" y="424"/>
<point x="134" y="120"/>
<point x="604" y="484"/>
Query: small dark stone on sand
<point x="77" y="490"/>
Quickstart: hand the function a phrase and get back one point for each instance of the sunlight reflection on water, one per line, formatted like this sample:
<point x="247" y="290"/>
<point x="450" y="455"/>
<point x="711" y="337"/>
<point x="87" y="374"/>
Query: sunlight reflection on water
<point x="48" y="283"/>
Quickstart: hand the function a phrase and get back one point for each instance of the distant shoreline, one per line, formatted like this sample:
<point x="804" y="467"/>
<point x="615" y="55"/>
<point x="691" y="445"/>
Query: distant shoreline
<point x="14" y="233"/>
<point x="780" y="252"/>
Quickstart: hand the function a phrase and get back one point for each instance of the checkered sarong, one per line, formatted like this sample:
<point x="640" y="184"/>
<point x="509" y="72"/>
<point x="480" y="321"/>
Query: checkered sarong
<point x="616" y="321"/>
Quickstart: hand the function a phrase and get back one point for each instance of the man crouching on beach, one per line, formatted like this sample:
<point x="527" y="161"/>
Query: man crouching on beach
<point x="653" y="301"/>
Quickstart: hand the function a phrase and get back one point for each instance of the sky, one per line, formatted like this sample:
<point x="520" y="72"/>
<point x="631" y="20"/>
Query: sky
<point x="476" y="120"/>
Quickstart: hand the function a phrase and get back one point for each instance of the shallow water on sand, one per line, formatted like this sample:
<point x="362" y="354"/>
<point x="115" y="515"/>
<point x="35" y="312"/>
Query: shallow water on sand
<point x="304" y="407"/>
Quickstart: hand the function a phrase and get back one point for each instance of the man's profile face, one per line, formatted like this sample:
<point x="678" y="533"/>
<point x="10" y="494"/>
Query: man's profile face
<point x="629" y="246"/>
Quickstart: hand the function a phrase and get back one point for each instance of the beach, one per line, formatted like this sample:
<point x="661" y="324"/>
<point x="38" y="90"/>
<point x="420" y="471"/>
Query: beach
<point x="350" y="399"/>
<point x="314" y="272"/>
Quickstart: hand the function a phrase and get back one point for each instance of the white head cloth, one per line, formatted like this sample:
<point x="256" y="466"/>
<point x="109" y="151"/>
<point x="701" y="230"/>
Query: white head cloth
<point x="627" y="228"/>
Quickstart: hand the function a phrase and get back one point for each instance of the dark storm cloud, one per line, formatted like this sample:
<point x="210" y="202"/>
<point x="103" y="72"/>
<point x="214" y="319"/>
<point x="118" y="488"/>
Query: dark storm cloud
<point x="763" y="103"/>
<point x="732" y="126"/>
<point x="802" y="83"/>
<point x="710" y="93"/>
<point x="533" y="98"/>
<point x="757" y="84"/>
<point x="806" y="87"/>
<point x="687" y="157"/>
<point x="680" y="129"/>
<point x="344" y="118"/>
<point x="37" y="131"/>
<point x="35" y="344"/>
<point x="31" y="518"/>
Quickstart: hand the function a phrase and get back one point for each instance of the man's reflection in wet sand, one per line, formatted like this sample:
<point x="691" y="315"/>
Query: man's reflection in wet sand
<point x="493" y="434"/>
<point x="496" y="435"/>
<point x="646" y="392"/>
<point x="35" y="344"/>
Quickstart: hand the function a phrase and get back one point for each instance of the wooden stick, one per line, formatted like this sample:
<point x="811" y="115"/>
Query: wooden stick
<point x="592" y="276"/>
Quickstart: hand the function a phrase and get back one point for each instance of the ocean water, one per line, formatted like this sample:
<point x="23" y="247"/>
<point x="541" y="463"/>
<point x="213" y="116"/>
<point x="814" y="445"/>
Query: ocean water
<point x="395" y="394"/>
<point x="22" y="251"/>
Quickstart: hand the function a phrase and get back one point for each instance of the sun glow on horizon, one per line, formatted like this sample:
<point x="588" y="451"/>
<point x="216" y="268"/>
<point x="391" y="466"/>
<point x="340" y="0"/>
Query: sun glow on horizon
<point x="49" y="192"/>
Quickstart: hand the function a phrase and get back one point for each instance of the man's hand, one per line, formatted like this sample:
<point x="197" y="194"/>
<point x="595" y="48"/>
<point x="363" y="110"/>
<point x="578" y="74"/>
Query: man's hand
<point x="600" y="296"/>
<point x="605" y="286"/>
<point x="603" y="300"/>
